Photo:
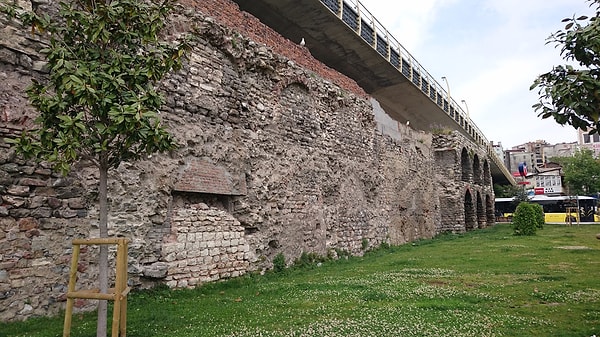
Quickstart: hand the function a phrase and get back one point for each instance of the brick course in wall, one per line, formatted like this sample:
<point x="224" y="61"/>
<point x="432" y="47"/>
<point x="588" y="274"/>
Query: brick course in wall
<point x="228" y="13"/>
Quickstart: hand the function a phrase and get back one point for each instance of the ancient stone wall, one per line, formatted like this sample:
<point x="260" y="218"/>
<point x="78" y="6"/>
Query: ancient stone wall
<point x="465" y="184"/>
<point x="276" y="155"/>
<point x="204" y="245"/>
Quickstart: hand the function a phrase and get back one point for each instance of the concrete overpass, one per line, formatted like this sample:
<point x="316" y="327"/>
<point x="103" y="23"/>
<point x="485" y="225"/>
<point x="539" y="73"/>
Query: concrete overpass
<point x="346" y="37"/>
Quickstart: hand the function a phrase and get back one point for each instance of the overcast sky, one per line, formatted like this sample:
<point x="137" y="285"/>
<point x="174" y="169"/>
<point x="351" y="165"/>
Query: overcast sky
<point x="490" y="51"/>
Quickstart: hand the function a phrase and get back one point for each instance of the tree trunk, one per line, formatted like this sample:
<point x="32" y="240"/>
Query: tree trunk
<point x="103" y="261"/>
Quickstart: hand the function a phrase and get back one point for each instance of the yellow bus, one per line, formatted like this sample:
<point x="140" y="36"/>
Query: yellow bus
<point x="561" y="209"/>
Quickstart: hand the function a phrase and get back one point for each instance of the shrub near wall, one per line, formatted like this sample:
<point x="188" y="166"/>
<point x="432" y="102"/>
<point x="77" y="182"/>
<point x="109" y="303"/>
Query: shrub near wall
<point x="539" y="213"/>
<point x="525" y="219"/>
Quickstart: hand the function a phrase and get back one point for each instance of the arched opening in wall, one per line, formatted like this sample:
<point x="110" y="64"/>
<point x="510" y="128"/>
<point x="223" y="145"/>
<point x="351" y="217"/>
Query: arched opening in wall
<point x="465" y="165"/>
<point x="489" y="210"/>
<point x="477" y="176"/>
<point x="469" y="207"/>
<point x="481" y="217"/>
<point x="487" y="174"/>
<point x="202" y="184"/>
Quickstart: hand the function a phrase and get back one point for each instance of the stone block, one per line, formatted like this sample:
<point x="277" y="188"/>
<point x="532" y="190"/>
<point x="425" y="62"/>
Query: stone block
<point x="26" y="224"/>
<point x="156" y="270"/>
<point x="33" y="182"/>
<point x="76" y="203"/>
<point x="14" y="201"/>
<point x="18" y="190"/>
<point x="54" y="202"/>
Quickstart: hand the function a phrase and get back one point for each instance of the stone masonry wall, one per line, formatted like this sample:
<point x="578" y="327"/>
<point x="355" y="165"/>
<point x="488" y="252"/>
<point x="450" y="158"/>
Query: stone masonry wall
<point x="465" y="184"/>
<point x="276" y="155"/>
<point x="205" y="245"/>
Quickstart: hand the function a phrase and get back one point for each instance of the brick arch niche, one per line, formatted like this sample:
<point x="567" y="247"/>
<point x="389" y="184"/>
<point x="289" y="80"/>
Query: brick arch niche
<point x="481" y="212"/>
<point x="477" y="175"/>
<point x="489" y="210"/>
<point x="487" y="174"/>
<point x="469" y="209"/>
<point x="465" y="165"/>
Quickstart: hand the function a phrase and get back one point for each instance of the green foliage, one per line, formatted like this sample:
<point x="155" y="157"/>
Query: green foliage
<point x="539" y="214"/>
<point x="567" y="94"/>
<point x="279" y="264"/>
<point x="507" y="191"/>
<point x="441" y="131"/>
<point x="308" y="260"/>
<point x="364" y="244"/>
<point x="100" y="101"/>
<point x="507" y="286"/>
<point x="559" y="160"/>
<point x="525" y="219"/>
<point x="341" y="253"/>
<point x="582" y="173"/>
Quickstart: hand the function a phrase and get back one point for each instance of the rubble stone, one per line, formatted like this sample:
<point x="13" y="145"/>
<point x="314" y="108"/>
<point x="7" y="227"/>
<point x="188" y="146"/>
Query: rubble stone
<point x="291" y="162"/>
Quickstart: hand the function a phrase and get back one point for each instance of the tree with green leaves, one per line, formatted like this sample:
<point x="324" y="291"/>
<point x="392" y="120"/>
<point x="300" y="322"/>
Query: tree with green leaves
<point x="571" y="93"/>
<point x="509" y="191"/>
<point x="100" y="101"/>
<point x="582" y="173"/>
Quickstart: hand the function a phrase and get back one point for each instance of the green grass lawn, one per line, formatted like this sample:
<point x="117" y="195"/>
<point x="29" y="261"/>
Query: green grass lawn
<point x="483" y="283"/>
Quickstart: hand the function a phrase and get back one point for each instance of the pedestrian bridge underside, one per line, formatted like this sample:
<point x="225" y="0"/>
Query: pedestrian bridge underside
<point x="346" y="37"/>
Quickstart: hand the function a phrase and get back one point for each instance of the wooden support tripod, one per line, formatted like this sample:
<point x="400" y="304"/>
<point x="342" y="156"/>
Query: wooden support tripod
<point x="118" y="294"/>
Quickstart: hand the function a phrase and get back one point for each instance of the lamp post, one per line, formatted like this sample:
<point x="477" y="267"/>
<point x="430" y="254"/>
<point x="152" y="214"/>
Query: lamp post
<point x="447" y="87"/>
<point x="467" y="107"/>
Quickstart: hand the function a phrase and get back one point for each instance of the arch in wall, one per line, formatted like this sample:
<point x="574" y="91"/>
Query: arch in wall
<point x="487" y="173"/>
<point x="481" y="215"/>
<point x="477" y="175"/>
<point x="465" y="165"/>
<point x="469" y="209"/>
<point x="489" y="210"/>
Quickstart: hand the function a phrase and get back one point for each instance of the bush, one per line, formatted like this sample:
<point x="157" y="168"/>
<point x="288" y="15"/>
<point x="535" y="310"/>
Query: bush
<point x="525" y="219"/>
<point x="279" y="263"/>
<point x="308" y="259"/>
<point x="539" y="212"/>
<point x="365" y="244"/>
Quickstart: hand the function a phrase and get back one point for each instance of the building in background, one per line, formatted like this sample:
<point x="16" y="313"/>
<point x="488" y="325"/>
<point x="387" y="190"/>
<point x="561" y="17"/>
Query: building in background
<point x="547" y="180"/>
<point x="498" y="150"/>
<point x="514" y="157"/>
<point x="544" y="176"/>
<point x="539" y="153"/>
<point x="560" y="150"/>
<point x="536" y="149"/>
<point x="588" y="141"/>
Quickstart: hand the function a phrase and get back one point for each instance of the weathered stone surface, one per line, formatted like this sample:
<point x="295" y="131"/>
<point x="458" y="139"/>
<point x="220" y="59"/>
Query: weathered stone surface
<point x="18" y="190"/>
<point x="297" y="163"/>
<point x="32" y="182"/>
<point x="26" y="224"/>
<point x="156" y="270"/>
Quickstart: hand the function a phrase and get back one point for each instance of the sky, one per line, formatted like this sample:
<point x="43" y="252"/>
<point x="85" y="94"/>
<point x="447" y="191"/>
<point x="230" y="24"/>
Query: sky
<point x="490" y="52"/>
